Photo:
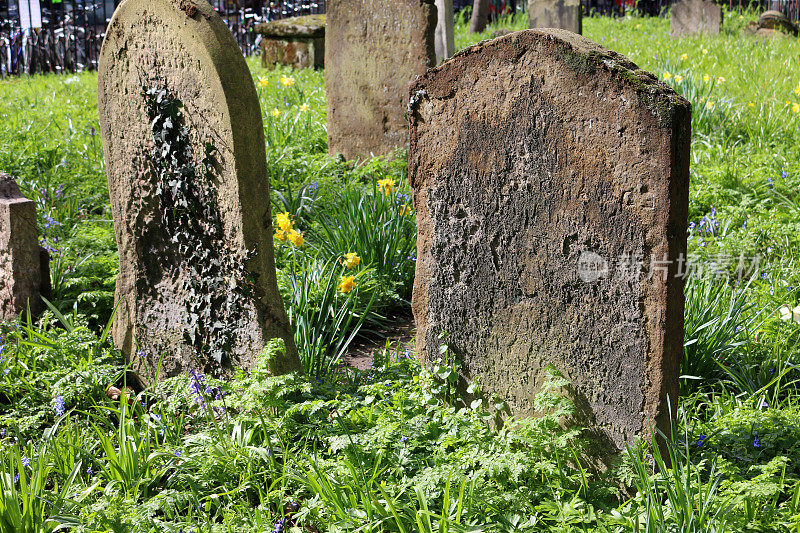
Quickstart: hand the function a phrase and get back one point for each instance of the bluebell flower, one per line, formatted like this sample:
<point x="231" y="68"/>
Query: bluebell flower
<point x="59" y="406"/>
<point x="403" y="438"/>
<point x="764" y="404"/>
<point x="178" y="453"/>
<point x="25" y="461"/>
<point x="701" y="440"/>
<point x="141" y="354"/>
<point x="49" y="222"/>
<point x="785" y="174"/>
<point x="280" y="525"/>
<point x="756" y="442"/>
<point x="16" y="478"/>
<point x="770" y="181"/>
<point x="90" y="471"/>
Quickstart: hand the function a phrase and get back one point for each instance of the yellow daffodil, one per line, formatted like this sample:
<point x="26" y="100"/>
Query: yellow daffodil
<point x="678" y="78"/>
<point x="284" y="222"/>
<point x="666" y="76"/>
<point x="304" y="108"/>
<point x="386" y="185"/>
<point x="296" y="238"/>
<point x="684" y="57"/>
<point x="263" y="82"/>
<point x="706" y="78"/>
<point x="281" y="235"/>
<point x="638" y="26"/>
<point x="797" y="90"/>
<point x="720" y="80"/>
<point x="287" y="81"/>
<point x="276" y="112"/>
<point x="351" y="260"/>
<point x="751" y="104"/>
<point x="705" y="51"/>
<point x="347" y="284"/>
<point x="406" y="210"/>
<point x="710" y="105"/>
<point x="795" y="108"/>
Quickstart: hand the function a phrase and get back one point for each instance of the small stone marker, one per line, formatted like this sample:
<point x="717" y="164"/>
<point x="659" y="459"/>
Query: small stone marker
<point x="692" y="17"/>
<point x="22" y="275"/>
<point x="184" y="149"/>
<point x="445" y="32"/>
<point x="533" y="215"/>
<point x="298" y="42"/>
<point x="373" y="50"/>
<point x="563" y="14"/>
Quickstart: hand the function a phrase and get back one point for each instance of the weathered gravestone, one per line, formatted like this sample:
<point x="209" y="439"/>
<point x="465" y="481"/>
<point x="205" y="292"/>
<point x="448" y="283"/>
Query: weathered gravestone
<point x="562" y="14"/>
<point x="538" y="161"/>
<point x="373" y="50"/>
<point x="184" y="150"/>
<point x="692" y="17"/>
<point x="296" y="41"/>
<point x="445" y="32"/>
<point x="23" y="265"/>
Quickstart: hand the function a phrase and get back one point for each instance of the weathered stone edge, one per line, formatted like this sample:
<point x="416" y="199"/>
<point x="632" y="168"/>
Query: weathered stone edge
<point x="578" y="52"/>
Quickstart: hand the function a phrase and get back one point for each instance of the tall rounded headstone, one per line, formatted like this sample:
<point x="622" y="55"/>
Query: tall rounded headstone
<point x="551" y="181"/>
<point x="184" y="149"/>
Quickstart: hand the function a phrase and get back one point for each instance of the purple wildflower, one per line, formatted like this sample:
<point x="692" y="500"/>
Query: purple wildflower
<point x="59" y="406"/>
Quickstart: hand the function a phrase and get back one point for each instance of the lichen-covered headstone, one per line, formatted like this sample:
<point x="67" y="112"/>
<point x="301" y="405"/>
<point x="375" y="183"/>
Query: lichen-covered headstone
<point x="373" y="50"/>
<point x="21" y="267"/>
<point x="549" y="176"/>
<point x="692" y="17"/>
<point x="184" y="150"/>
<point x="562" y="14"/>
<point x="445" y="31"/>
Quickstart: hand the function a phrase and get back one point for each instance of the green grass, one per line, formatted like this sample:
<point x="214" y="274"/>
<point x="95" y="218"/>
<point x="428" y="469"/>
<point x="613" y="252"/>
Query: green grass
<point x="386" y="449"/>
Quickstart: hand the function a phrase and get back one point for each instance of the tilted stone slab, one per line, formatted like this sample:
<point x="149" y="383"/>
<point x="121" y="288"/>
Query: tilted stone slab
<point x="562" y="14"/>
<point x="692" y="17"/>
<point x="373" y="50"/>
<point x="21" y="267"/>
<point x="298" y="42"/>
<point x="538" y="161"/>
<point x="184" y="149"/>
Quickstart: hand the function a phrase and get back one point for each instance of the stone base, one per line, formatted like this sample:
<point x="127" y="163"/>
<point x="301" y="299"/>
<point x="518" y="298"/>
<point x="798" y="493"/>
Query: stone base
<point x="297" y="53"/>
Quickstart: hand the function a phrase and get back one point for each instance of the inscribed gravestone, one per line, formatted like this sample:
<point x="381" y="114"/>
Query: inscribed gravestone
<point x="691" y="17"/>
<point x="373" y="50"/>
<point x="533" y="215"/>
<point x="445" y="32"/>
<point x="563" y="14"/>
<point x="184" y="150"/>
<point x="21" y="267"/>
